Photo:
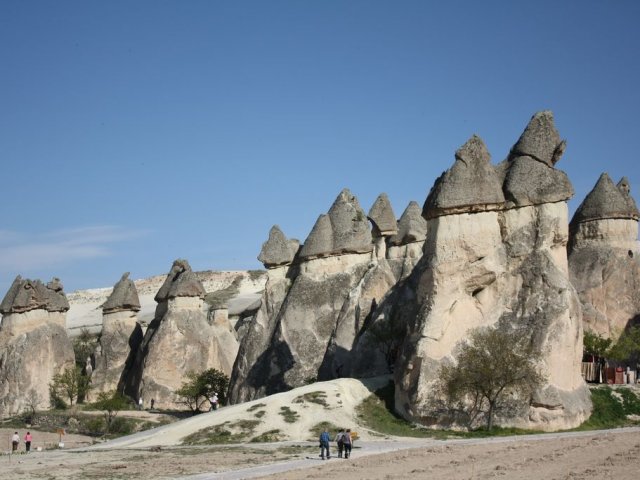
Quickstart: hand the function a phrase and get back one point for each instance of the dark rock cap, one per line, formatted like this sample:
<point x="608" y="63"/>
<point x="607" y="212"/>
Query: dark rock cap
<point x="345" y="229"/>
<point x="606" y="200"/>
<point x="540" y="140"/>
<point x="470" y="185"/>
<point x="25" y="295"/>
<point x="180" y="282"/>
<point x="530" y="182"/>
<point x="412" y="227"/>
<point x="123" y="297"/>
<point x="382" y="216"/>
<point x="278" y="250"/>
<point x="625" y="188"/>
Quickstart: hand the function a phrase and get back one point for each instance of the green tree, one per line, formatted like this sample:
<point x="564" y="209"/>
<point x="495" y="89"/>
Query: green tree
<point x="387" y="335"/>
<point x="493" y="364"/>
<point x="70" y="384"/>
<point x="194" y="393"/>
<point x="595" y="344"/>
<point x="627" y="348"/>
<point x="111" y="403"/>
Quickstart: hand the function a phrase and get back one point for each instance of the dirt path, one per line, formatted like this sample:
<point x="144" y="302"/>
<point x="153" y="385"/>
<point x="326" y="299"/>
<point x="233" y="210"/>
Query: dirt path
<point x="576" y="456"/>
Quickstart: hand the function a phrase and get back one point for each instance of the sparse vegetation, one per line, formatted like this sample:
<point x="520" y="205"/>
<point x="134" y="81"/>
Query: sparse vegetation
<point x="69" y="385"/>
<point x="220" y="298"/>
<point x="259" y="414"/>
<point x="255" y="274"/>
<point x="268" y="437"/>
<point x="224" y="433"/>
<point x="256" y="406"/>
<point x="111" y="403"/>
<point x="611" y="406"/>
<point x="290" y="416"/>
<point x="318" y="428"/>
<point x="471" y="389"/>
<point x="195" y="392"/>
<point x="313" y="397"/>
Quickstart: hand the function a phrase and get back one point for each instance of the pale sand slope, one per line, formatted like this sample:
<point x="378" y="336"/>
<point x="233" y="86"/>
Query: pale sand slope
<point x="342" y="396"/>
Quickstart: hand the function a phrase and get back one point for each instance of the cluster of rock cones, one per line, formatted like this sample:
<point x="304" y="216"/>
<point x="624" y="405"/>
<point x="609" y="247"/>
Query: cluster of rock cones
<point x="492" y="246"/>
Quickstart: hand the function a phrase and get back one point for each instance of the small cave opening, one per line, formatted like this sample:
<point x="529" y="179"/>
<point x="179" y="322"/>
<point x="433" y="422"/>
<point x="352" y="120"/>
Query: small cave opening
<point x="477" y="291"/>
<point x="630" y="254"/>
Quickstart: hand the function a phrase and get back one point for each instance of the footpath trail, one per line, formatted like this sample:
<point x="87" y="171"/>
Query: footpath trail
<point x="526" y="446"/>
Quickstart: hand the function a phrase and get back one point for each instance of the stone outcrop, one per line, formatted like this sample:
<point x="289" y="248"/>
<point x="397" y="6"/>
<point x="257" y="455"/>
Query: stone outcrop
<point x="604" y="258"/>
<point x="470" y="185"/>
<point x="313" y="311"/>
<point x="404" y="249"/>
<point x="278" y="249"/>
<point x="382" y="217"/>
<point x="180" y="339"/>
<point x="120" y="337"/>
<point x="34" y="345"/>
<point x="344" y="229"/>
<point x="497" y="259"/>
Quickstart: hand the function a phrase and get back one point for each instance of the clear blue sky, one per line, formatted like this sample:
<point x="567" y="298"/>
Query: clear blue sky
<point x="135" y="133"/>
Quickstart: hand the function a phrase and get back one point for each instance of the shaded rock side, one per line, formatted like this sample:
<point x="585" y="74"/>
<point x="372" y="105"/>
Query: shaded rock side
<point x="30" y="357"/>
<point x="278" y="249"/>
<point x="604" y="259"/>
<point x="344" y="229"/>
<point x="124" y="297"/>
<point x="120" y="338"/>
<point x="251" y="368"/>
<point x="470" y="185"/>
<point x="404" y="249"/>
<point x="311" y="335"/>
<point x="503" y="269"/>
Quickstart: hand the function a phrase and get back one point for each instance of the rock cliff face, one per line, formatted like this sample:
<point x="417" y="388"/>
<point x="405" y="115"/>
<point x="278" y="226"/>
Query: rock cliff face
<point x="119" y="339"/>
<point x="33" y="344"/>
<point x="180" y="339"/>
<point x="604" y="258"/>
<point x="496" y="257"/>
<point x="314" y="308"/>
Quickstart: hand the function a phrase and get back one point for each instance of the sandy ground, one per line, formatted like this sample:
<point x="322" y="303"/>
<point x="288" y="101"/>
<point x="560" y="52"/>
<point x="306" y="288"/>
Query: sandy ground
<point x="590" y="456"/>
<point x="159" y="453"/>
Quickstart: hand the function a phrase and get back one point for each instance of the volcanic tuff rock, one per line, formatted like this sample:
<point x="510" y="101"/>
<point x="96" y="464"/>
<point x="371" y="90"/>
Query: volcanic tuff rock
<point x="382" y="216"/>
<point x="470" y="185"/>
<point x="344" y="229"/>
<point x="405" y="248"/>
<point x="278" y="250"/>
<point x="120" y="337"/>
<point x="312" y="311"/>
<point x="33" y="344"/>
<point x="604" y="258"/>
<point x="540" y="140"/>
<point x="505" y="268"/>
<point x="181" y="325"/>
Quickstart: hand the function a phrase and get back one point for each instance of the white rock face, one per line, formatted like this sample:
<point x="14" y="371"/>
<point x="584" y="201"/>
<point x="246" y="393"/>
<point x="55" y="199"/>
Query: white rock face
<point x="492" y="269"/>
<point x="34" y="346"/>
<point x="604" y="261"/>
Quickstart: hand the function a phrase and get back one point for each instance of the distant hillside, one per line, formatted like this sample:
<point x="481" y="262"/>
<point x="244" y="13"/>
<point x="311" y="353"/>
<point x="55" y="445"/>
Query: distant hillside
<point x="240" y="289"/>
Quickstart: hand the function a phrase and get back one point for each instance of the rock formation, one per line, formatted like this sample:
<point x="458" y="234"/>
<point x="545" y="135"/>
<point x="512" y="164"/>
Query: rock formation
<point x="495" y="257"/>
<point x="604" y="258"/>
<point x="313" y="310"/>
<point x="121" y="335"/>
<point x="278" y="250"/>
<point x="405" y="247"/>
<point x="34" y="345"/>
<point x="180" y="339"/>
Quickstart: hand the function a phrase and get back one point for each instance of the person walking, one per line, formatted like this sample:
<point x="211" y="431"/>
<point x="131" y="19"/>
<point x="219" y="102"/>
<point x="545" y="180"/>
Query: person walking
<point x="324" y="444"/>
<point x="15" y="440"/>
<point x="140" y="404"/>
<point x="340" y="442"/>
<point x="27" y="442"/>
<point x="346" y="438"/>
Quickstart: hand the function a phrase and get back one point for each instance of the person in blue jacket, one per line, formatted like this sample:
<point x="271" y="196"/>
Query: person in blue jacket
<point x="324" y="443"/>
